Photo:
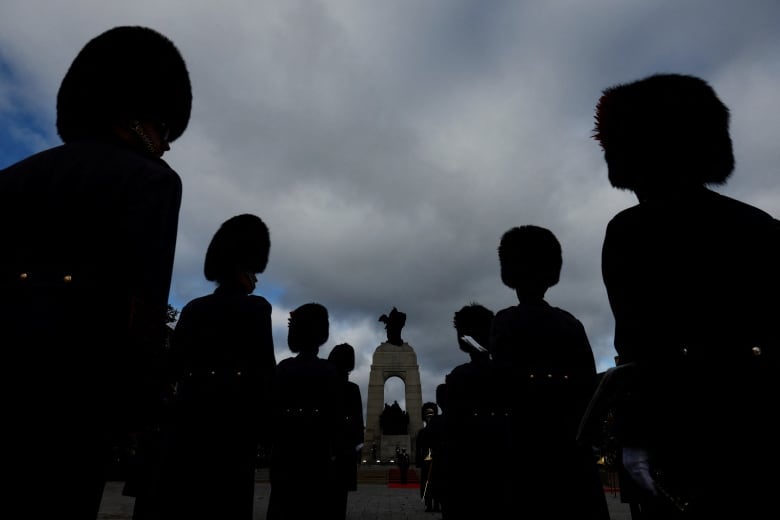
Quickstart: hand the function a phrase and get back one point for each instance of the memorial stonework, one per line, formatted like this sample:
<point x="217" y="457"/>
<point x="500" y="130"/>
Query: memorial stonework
<point x="393" y="358"/>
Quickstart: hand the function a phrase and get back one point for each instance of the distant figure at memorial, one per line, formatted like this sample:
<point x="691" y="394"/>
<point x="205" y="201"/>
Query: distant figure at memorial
<point x="394" y="421"/>
<point x="402" y="459"/>
<point x="429" y="439"/>
<point x="394" y="322"/>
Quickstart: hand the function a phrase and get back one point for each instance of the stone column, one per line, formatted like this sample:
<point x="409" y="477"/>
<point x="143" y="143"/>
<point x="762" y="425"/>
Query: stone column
<point x="393" y="361"/>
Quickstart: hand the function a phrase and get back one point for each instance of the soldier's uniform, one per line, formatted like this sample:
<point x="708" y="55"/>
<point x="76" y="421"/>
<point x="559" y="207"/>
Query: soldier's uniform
<point x="692" y="278"/>
<point x="88" y="235"/>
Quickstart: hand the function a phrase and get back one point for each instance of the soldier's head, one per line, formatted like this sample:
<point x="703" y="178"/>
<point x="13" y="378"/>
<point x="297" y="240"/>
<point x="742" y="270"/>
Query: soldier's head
<point x="343" y="356"/>
<point x="127" y="81"/>
<point x="429" y="411"/>
<point x="473" y="320"/>
<point x="663" y="132"/>
<point x="238" y="251"/>
<point x="530" y="258"/>
<point x="308" y="328"/>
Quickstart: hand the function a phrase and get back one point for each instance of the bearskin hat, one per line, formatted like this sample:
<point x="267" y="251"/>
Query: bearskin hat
<point x="431" y="407"/>
<point x="473" y="320"/>
<point x="241" y="243"/>
<point x="125" y="73"/>
<point x="308" y="327"/>
<point x="664" y="130"/>
<point x="530" y="256"/>
<point x="343" y="356"/>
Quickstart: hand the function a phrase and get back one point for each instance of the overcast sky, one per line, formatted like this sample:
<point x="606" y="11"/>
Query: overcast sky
<point x="389" y="144"/>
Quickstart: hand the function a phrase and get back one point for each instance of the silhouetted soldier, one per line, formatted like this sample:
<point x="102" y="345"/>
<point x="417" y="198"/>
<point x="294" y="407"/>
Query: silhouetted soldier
<point x="424" y="455"/>
<point x="549" y="373"/>
<point x="440" y="454"/>
<point x="351" y="441"/>
<point x="692" y="278"/>
<point x="223" y="363"/>
<point x="477" y="423"/>
<point x="402" y="459"/>
<point x="308" y="407"/>
<point x="88" y="237"/>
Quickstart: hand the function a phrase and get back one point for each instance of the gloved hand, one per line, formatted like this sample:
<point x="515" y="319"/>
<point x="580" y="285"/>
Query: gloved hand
<point x="636" y="462"/>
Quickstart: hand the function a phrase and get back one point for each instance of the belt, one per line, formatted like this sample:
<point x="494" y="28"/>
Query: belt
<point x="719" y="353"/>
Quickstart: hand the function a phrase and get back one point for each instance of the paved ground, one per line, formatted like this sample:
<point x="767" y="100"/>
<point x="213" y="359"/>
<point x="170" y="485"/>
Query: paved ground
<point x="369" y="502"/>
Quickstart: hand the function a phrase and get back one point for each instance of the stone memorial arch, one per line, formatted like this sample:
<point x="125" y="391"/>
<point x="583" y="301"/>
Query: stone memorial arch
<point x="393" y="358"/>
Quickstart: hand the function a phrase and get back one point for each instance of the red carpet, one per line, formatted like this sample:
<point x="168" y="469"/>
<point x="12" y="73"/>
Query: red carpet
<point x="410" y="485"/>
<point x="394" y="479"/>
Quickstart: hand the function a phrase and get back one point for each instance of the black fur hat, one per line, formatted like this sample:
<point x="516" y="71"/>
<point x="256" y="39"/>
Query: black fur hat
<point x="429" y="406"/>
<point x="241" y="243"/>
<point x="473" y="320"/>
<point x="126" y="73"/>
<point x="530" y="256"/>
<point x="664" y="130"/>
<point x="343" y="356"/>
<point x="308" y="327"/>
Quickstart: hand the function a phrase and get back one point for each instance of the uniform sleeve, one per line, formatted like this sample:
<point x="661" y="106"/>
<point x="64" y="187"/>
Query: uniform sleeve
<point x="357" y="427"/>
<point x="266" y="367"/>
<point x="615" y="273"/>
<point x="154" y="200"/>
<point x="161" y="225"/>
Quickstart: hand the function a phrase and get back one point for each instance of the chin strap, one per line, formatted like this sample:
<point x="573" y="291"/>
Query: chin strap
<point x="138" y="129"/>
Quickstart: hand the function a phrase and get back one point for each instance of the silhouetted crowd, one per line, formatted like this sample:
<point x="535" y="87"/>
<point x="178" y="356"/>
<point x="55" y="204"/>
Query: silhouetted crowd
<point x="89" y="231"/>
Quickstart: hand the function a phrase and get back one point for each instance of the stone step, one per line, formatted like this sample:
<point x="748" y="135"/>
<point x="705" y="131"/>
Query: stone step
<point x="372" y="474"/>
